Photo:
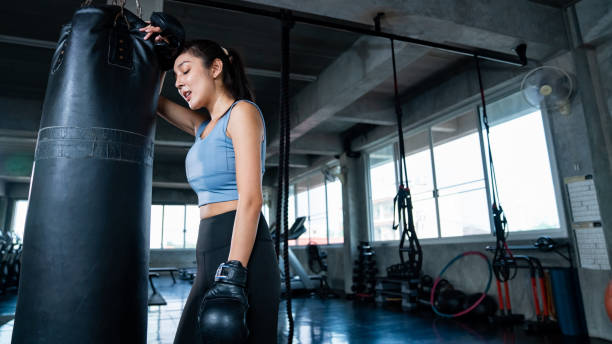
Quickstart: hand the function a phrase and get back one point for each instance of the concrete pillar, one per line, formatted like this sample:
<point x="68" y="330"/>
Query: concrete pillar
<point x="272" y="197"/>
<point x="9" y="209"/>
<point x="3" y="213"/>
<point x="583" y="142"/>
<point x="3" y="202"/>
<point x="355" y="211"/>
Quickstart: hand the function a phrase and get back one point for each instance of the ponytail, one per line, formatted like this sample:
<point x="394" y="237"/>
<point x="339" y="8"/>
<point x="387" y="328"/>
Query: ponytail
<point x="236" y="80"/>
<point x="233" y="74"/>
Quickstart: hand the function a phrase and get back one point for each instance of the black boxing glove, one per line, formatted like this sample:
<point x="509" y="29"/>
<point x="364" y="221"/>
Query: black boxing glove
<point x="222" y="314"/>
<point x="174" y="32"/>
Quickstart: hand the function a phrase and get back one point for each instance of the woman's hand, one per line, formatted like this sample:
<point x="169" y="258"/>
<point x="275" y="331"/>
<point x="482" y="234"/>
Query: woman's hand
<point x="153" y="30"/>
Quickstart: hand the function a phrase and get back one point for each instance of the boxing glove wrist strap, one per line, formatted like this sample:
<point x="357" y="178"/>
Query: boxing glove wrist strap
<point x="232" y="272"/>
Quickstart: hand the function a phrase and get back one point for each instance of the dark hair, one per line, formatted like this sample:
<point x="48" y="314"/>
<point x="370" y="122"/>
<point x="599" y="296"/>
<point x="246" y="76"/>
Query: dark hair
<point x="234" y="77"/>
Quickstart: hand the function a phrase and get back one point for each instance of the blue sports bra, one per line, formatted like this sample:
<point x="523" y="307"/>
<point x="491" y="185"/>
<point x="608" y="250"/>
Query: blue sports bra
<point x="211" y="164"/>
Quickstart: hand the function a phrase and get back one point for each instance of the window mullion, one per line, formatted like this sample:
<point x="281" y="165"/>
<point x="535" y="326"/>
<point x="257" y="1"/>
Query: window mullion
<point x="308" y="211"/>
<point x="326" y="210"/>
<point x="435" y="181"/>
<point x="162" y="226"/>
<point x="185" y="226"/>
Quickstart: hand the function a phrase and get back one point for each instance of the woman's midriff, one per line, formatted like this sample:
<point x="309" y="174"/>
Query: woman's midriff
<point x="212" y="209"/>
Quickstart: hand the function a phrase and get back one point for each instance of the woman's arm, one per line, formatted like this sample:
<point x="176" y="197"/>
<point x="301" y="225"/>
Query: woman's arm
<point x="246" y="131"/>
<point x="181" y="117"/>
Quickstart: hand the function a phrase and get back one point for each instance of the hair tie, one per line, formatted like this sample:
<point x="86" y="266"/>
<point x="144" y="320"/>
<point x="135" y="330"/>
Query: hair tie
<point x="225" y="51"/>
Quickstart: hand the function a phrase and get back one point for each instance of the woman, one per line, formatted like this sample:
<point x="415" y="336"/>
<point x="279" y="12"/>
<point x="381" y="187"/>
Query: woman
<point x="224" y="167"/>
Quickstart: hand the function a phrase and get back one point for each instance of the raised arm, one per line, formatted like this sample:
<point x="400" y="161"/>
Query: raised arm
<point x="181" y="117"/>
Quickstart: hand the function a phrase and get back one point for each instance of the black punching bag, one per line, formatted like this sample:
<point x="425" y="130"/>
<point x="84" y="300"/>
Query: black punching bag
<point x="86" y="242"/>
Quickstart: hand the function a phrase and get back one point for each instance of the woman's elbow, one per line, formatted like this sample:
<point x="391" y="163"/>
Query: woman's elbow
<point x="252" y="201"/>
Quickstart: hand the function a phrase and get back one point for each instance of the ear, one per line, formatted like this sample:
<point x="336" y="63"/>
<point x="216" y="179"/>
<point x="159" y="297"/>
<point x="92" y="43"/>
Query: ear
<point x="216" y="67"/>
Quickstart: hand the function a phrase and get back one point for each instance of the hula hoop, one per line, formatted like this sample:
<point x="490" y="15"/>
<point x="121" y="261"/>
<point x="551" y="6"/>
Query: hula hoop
<point x="484" y="293"/>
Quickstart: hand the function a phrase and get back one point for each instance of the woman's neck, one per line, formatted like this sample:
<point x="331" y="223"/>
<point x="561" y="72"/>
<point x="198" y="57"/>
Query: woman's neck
<point x="219" y="106"/>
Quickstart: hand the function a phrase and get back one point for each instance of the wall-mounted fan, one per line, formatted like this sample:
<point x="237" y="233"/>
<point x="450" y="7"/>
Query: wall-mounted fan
<point x="332" y="173"/>
<point x="548" y="86"/>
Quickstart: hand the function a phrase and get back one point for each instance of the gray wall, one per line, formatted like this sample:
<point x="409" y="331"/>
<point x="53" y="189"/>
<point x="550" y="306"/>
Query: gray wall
<point x="593" y="67"/>
<point x="180" y="258"/>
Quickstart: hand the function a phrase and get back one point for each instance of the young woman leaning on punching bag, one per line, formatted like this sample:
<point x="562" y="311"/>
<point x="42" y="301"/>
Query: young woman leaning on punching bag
<point x="235" y="296"/>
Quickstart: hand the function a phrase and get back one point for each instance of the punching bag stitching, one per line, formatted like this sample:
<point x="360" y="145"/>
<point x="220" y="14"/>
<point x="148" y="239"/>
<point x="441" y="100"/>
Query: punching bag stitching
<point x="93" y="143"/>
<point x="116" y="130"/>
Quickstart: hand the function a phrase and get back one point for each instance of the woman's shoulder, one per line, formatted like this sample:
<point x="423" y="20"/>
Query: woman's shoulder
<point x="245" y="113"/>
<point x="246" y="105"/>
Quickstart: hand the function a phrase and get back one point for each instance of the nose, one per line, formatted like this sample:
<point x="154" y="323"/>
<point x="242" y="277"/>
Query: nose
<point x="178" y="83"/>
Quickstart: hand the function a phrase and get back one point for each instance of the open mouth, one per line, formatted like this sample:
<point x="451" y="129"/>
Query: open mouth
<point x="187" y="95"/>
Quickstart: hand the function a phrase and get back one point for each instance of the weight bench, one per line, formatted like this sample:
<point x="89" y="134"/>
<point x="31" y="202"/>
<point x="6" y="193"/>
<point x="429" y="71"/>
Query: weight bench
<point x="171" y="270"/>
<point x="155" y="299"/>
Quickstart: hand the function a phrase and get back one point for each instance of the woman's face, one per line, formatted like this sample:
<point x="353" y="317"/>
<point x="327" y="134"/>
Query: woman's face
<point x="194" y="82"/>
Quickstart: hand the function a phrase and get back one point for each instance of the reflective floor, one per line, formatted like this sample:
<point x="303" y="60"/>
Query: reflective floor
<point x="330" y="321"/>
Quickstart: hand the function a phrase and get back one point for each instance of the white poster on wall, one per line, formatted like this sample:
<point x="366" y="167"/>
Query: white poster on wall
<point x="586" y="222"/>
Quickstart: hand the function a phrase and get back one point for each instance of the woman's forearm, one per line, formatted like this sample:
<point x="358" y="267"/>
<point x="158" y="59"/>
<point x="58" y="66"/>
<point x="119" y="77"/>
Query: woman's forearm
<point x="245" y="229"/>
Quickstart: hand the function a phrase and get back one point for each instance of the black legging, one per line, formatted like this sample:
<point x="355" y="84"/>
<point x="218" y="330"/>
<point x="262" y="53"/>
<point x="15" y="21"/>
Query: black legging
<point x="263" y="285"/>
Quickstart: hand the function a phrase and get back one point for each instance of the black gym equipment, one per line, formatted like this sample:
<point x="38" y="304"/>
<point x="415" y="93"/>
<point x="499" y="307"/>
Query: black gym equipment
<point x="411" y="257"/>
<point x="301" y="281"/>
<point x="504" y="264"/>
<point x="156" y="298"/>
<point x="90" y="193"/>
<point x="317" y="263"/>
<point x="10" y="261"/>
<point x="364" y="274"/>
<point x="283" y="166"/>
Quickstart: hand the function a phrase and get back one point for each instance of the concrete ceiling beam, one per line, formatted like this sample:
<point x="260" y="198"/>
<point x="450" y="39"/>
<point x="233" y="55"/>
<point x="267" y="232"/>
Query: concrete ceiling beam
<point x="295" y="161"/>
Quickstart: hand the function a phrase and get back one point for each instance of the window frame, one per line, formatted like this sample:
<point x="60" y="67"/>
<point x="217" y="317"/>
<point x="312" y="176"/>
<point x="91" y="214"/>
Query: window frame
<point x="292" y="185"/>
<point x="474" y="107"/>
<point x="162" y="248"/>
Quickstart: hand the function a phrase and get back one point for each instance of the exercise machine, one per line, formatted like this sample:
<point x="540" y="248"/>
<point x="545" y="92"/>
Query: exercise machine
<point x="300" y="280"/>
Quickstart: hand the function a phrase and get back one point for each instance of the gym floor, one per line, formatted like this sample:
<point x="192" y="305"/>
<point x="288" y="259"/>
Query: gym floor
<point x="330" y="321"/>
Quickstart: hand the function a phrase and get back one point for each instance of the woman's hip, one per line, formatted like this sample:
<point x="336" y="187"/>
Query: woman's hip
<point x="216" y="232"/>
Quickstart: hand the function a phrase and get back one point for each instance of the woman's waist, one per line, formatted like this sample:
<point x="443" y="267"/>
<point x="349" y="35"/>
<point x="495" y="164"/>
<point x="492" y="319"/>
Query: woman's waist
<point x="217" y="208"/>
<point x="216" y="231"/>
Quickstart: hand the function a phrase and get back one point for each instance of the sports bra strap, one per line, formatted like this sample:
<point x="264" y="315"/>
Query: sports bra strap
<point x="201" y="129"/>
<point x="225" y="124"/>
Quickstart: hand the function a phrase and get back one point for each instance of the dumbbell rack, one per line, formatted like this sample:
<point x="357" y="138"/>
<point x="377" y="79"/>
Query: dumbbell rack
<point x="364" y="272"/>
<point x="394" y="289"/>
<point x="400" y="284"/>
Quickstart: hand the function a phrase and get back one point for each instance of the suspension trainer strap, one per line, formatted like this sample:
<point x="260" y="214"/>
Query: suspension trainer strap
<point x="402" y="203"/>
<point x="503" y="261"/>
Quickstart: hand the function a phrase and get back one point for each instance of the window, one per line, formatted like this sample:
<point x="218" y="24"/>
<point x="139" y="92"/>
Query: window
<point x="192" y="220"/>
<point x="302" y="209"/>
<point x="265" y="210"/>
<point x="320" y="201"/>
<point x="174" y="226"/>
<point x="446" y="175"/>
<point x="462" y="200"/>
<point x="335" y="219"/>
<point x="157" y="218"/>
<point x="19" y="217"/>
<point x="420" y="181"/>
<point x="522" y="166"/>
<point x="383" y="189"/>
